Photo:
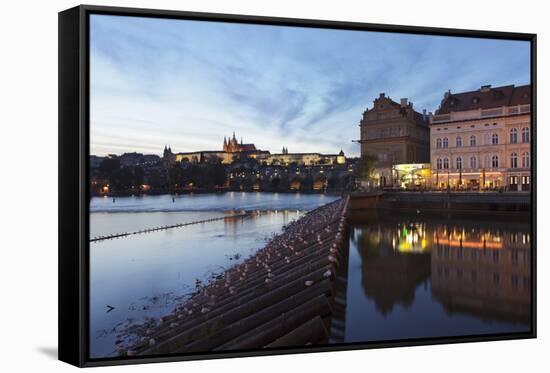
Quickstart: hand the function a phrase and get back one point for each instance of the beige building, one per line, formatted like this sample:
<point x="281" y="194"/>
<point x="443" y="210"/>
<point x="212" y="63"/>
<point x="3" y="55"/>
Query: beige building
<point x="481" y="139"/>
<point x="395" y="134"/>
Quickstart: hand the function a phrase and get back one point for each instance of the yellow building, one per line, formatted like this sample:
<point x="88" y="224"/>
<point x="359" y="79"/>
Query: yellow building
<point x="481" y="139"/>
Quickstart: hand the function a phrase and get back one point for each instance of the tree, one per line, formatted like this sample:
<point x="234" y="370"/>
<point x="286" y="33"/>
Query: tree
<point x="364" y="169"/>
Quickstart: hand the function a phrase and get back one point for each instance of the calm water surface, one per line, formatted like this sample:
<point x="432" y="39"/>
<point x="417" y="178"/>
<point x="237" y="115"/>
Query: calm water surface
<point x="145" y="275"/>
<point x="414" y="277"/>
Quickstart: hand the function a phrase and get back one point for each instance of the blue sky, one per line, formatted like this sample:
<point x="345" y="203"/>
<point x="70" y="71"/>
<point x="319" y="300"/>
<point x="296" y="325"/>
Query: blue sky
<point x="188" y="84"/>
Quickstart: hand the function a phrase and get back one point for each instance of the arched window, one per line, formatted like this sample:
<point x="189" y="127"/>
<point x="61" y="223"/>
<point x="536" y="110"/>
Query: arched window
<point x="495" y="161"/>
<point x="438" y="143"/>
<point x="525" y="160"/>
<point x="458" y="141"/>
<point x="445" y="142"/>
<point x="514" y="136"/>
<point x="473" y="140"/>
<point x="459" y="163"/>
<point x="514" y="160"/>
<point x="473" y="162"/>
<point x="446" y="163"/>
<point x="439" y="163"/>
<point x="494" y="139"/>
<point x="525" y="134"/>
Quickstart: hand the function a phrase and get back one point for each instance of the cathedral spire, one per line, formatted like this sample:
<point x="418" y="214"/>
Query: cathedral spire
<point x="234" y="138"/>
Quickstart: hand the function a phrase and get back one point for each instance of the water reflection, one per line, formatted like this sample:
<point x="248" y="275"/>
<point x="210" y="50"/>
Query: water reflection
<point x="146" y="275"/>
<point x="414" y="277"/>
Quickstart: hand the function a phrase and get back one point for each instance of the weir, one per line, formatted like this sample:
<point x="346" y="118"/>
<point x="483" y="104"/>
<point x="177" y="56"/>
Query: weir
<point x="286" y="294"/>
<point x="164" y="227"/>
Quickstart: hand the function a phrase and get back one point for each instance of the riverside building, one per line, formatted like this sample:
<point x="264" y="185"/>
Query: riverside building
<point x="394" y="133"/>
<point x="480" y="140"/>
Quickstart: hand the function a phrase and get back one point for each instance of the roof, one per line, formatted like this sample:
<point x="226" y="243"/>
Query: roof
<point x="485" y="98"/>
<point x="419" y="118"/>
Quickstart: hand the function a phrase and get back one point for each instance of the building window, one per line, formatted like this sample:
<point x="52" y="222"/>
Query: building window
<point x="473" y="162"/>
<point x="513" y="136"/>
<point x="438" y="143"/>
<point x="525" y="160"/>
<point x="446" y="163"/>
<point x="439" y="163"/>
<point x="495" y="161"/>
<point x="445" y="142"/>
<point x="472" y="140"/>
<point x="494" y="139"/>
<point x="514" y="160"/>
<point x="458" y="141"/>
<point x="525" y="134"/>
<point x="459" y="163"/>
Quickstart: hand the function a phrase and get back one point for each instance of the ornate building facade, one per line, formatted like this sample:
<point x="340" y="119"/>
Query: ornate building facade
<point x="394" y="133"/>
<point x="481" y="139"/>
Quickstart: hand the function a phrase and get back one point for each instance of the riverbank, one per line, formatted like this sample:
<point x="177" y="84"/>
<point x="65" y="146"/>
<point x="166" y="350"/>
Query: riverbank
<point x="280" y="296"/>
<point x="437" y="202"/>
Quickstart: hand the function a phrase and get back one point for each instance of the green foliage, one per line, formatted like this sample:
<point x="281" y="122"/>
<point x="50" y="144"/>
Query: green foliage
<point x="365" y="167"/>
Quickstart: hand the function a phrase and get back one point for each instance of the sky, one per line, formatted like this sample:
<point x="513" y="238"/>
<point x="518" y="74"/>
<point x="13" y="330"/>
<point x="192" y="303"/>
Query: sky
<point x="187" y="84"/>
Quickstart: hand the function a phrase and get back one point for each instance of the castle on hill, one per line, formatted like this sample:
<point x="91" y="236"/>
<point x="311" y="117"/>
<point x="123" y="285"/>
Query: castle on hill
<point x="233" y="151"/>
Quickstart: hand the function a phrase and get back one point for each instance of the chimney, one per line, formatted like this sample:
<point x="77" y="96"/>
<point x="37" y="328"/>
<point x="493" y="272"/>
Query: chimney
<point x="424" y="115"/>
<point x="404" y="102"/>
<point x="485" y="88"/>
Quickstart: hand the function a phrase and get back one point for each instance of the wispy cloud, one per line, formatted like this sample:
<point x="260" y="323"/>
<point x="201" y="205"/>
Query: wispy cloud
<point x="189" y="83"/>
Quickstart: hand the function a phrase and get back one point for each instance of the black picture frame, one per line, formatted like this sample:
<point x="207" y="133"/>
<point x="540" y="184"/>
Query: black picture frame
<point x="74" y="189"/>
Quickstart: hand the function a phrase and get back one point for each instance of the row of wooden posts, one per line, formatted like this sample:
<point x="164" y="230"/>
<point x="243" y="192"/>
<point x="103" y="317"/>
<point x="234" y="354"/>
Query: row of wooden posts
<point x="156" y="229"/>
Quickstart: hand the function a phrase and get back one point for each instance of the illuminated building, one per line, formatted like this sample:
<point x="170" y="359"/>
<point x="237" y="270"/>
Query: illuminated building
<point x="413" y="175"/>
<point x="481" y="139"/>
<point x="233" y="151"/>
<point x="394" y="133"/>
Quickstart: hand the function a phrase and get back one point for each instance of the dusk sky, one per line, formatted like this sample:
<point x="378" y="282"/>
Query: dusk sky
<point x="187" y="84"/>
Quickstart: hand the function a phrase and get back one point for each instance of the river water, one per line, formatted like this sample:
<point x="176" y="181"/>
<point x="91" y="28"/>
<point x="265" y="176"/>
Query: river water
<point x="144" y="275"/>
<point x="409" y="276"/>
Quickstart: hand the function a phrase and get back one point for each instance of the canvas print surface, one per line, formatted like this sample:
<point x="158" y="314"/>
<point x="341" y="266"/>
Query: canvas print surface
<point x="261" y="187"/>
